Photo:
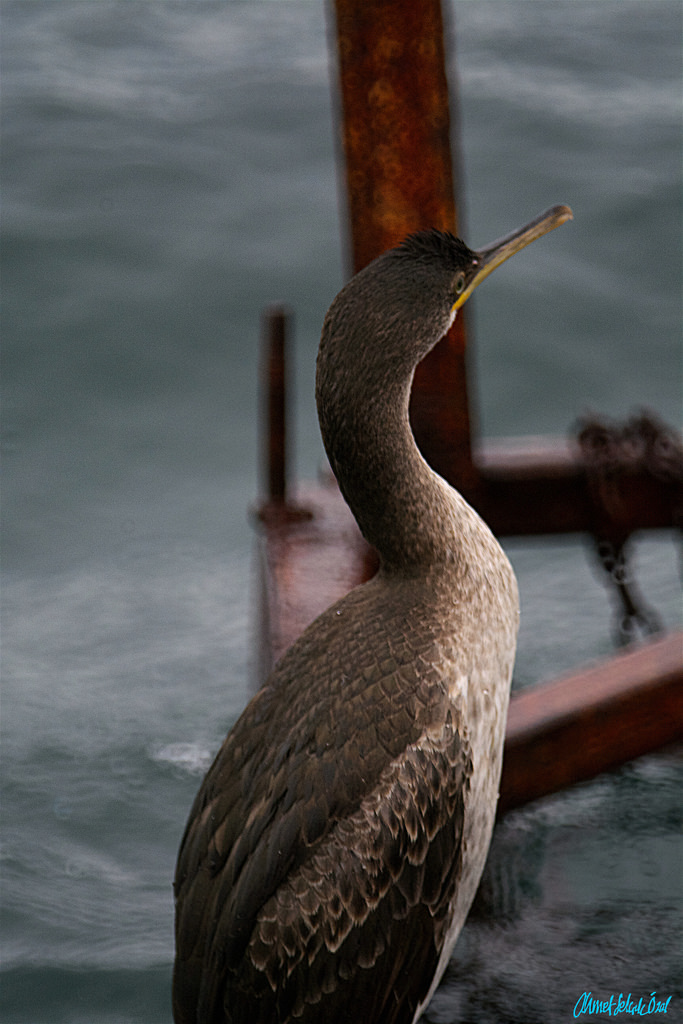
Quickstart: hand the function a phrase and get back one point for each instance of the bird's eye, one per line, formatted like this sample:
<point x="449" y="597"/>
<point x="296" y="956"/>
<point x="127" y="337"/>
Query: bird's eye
<point x="459" y="284"/>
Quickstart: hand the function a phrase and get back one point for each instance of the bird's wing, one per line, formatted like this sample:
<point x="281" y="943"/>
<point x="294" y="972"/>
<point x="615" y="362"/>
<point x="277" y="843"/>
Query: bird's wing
<point x="292" y="775"/>
<point x="361" y="921"/>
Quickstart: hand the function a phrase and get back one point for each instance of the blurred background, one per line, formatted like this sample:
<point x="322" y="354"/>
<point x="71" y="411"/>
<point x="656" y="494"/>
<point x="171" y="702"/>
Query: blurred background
<point x="169" y="168"/>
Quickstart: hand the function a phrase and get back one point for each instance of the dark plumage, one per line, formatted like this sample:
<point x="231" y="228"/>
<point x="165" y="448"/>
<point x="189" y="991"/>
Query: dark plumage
<point x="437" y="246"/>
<point x="336" y="843"/>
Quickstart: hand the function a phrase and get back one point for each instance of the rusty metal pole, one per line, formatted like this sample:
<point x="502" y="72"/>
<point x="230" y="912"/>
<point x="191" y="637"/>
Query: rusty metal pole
<point x="275" y="325"/>
<point x="399" y="178"/>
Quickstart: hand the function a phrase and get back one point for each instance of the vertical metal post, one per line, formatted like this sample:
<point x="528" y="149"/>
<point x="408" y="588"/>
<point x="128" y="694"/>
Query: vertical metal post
<point x="275" y="328"/>
<point x="399" y="178"/>
<point x="396" y="121"/>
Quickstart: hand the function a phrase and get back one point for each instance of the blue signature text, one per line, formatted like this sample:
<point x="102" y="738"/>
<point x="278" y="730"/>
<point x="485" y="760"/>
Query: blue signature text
<point x="645" y="1007"/>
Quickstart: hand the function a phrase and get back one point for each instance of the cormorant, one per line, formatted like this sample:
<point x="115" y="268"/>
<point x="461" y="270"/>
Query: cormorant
<point x="337" y="842"/>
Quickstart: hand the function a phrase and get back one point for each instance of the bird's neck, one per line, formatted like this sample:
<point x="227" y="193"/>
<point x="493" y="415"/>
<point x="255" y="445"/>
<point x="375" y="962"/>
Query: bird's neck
<point x="404" y="509"/>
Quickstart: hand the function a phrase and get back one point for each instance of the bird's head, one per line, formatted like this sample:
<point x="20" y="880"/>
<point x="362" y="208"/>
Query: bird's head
<point x="441" y="272"/>
<point x="403" y="302"/>
<point x="389" y="316"/>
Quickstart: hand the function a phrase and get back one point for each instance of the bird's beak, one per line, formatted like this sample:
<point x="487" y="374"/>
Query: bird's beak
<point x="491" y="256"/>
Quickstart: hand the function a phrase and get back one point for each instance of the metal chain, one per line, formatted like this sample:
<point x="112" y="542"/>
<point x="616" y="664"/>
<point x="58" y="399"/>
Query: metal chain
<point x="634" y="616"/>
<point x="609" y="451"/>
